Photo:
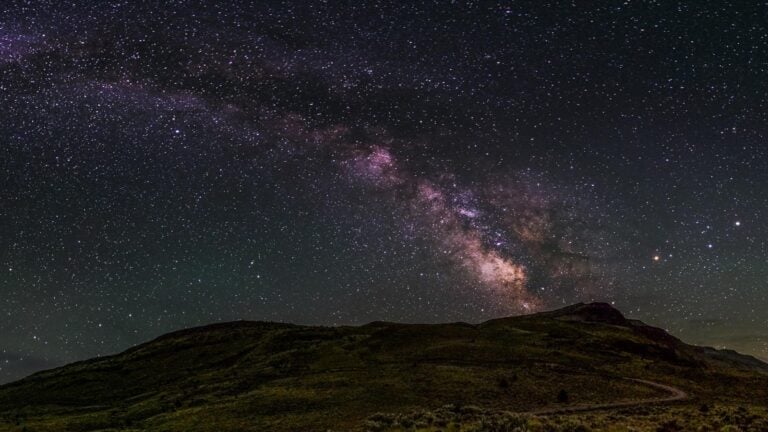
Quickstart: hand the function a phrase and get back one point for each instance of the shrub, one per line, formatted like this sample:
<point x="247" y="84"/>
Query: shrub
<point x="669" y="426"/>
<point x="374" y="426"/>
<point x="573" y="426"/>
<point x="383" y="418"/>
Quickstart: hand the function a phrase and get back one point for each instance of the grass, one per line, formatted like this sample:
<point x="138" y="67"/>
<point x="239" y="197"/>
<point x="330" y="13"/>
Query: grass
<point x="686" y="417"/>
<point x="250" y="376"/>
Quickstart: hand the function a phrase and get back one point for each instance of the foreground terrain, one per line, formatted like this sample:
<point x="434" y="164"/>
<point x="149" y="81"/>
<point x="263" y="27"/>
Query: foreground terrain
<point x="581" y="368"/>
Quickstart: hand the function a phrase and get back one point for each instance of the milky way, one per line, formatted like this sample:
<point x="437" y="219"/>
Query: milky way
<point x="176" y="164"/>
<point x="498" y="254"/>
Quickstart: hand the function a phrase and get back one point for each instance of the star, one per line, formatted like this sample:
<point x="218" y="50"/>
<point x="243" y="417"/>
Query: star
<point x="365" y="162"/>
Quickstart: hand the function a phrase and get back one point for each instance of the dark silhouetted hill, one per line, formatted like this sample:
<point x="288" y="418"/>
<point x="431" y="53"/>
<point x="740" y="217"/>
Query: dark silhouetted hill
<point x="258" y="376"/>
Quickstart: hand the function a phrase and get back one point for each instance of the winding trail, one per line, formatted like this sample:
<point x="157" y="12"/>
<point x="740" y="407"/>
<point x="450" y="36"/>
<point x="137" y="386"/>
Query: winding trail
<point x="675" y="394"/>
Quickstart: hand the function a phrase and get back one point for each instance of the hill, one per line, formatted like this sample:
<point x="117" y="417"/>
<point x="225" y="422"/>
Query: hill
<point x="260" y="376"/>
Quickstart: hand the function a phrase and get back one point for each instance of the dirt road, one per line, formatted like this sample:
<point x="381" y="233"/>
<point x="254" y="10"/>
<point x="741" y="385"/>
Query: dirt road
<point x="675" y="394"/>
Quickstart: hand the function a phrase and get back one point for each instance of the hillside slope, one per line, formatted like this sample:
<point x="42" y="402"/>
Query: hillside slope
<point x="244" y="376"/>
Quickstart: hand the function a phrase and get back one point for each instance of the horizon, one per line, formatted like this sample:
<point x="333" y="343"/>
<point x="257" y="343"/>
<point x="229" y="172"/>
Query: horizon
<point x="764" y="360"/>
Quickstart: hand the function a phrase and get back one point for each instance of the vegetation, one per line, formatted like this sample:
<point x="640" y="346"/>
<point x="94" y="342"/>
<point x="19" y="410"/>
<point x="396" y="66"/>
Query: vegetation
<point x="657" y="419"/>
<point x="255" y="376"/>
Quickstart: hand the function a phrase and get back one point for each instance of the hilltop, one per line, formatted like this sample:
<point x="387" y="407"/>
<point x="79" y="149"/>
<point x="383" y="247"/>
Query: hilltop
<point x="255" y="376"/>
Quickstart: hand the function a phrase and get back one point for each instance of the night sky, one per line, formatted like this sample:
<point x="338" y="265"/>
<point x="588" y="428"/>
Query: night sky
<point x="172" y="164"/>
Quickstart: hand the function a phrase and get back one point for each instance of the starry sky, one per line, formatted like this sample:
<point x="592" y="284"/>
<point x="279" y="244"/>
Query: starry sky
<point x="172" y="164"/>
